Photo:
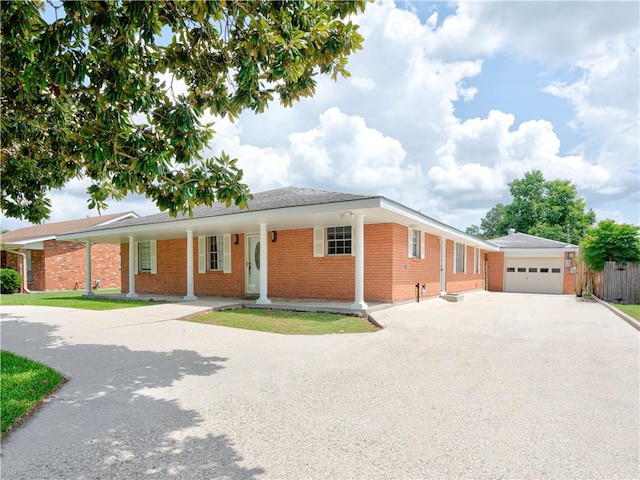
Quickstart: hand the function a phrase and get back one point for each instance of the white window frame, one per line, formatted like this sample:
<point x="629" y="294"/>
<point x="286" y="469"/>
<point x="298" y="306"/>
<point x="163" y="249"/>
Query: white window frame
<point x="222" y="254"/>
<point x="348" y="242"/>
<point x="29" y="267"/>
<point x="457" y="258"/>
<point x="140" y="258"/>
<point x="416" y="244"/>
<point x="215" y="256"/>
<point x="476" y="260"/>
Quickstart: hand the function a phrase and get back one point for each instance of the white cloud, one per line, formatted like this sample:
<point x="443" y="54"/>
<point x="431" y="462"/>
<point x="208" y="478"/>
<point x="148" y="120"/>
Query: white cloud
<point x="344" y="150"/>
<point x="392" y="128"/>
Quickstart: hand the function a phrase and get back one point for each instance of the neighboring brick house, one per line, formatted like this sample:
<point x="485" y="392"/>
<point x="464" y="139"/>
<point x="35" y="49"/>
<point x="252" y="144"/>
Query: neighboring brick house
<point x="46" y="263"/>
<point x="296" y="243"/>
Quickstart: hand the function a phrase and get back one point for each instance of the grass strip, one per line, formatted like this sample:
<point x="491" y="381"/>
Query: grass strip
<point x="286" y="322"/>
<point x="24" y="384"/>
<point x="72" y="299"/>
<point x="632" y="310"/>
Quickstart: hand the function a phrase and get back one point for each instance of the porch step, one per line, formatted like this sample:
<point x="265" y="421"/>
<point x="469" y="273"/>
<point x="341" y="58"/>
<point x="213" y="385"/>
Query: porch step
<point x="453" y="297"/>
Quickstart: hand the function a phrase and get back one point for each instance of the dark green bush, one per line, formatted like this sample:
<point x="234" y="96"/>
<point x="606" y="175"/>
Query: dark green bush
<point x="10" y="280"/>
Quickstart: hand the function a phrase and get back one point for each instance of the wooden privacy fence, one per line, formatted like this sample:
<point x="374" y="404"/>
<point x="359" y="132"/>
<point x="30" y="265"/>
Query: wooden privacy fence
<point x="617" y="282"/>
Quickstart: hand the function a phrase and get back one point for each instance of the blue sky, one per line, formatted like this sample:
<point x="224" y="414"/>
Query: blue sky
<point x="449" y="102"/>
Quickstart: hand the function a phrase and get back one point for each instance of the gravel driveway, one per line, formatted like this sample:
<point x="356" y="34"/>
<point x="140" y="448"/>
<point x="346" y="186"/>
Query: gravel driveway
<point x="497" y="386"/>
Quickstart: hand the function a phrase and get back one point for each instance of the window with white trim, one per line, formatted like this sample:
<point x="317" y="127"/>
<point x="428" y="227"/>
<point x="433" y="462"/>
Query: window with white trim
<point x="476" y="260"/>
<point x="414" y="243"/>
<point x="460" y="254"/>
<point x="215" y="253"/>
<point x="144" y="256"/>
<point x="339" y="240"/>
<point x="29" y="267"/>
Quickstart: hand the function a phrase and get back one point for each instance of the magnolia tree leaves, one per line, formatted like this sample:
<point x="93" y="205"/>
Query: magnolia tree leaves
<point x="85" y="91"/>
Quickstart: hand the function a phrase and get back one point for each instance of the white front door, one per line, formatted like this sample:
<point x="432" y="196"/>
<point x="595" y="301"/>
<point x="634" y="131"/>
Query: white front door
<point x="252" y="262"/>
<point x="443" y="265"/>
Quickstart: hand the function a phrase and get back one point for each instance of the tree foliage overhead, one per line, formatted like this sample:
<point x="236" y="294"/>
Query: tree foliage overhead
<point x="610" y="241"/>
<point x="539" y="207"/>
<point x="93" y="92"/>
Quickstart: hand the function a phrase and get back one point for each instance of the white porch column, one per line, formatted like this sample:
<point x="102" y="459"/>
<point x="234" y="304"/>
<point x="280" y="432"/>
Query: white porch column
<point x="359" y="250"/>
<point x="87" y="269"/>
<point x="190" y="295"/>
<point x="132" y="268"/>
<point x="264" y="262"/>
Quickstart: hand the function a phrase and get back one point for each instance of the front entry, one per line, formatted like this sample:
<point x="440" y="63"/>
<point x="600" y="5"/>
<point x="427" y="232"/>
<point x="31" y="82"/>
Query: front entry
<point x="252" y="265"/>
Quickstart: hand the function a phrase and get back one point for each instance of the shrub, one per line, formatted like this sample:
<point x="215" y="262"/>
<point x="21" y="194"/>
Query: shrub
<point x="10" y="280"/>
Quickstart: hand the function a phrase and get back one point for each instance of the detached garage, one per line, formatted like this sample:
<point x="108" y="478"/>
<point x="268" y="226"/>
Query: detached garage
<point x="529" y="264"/>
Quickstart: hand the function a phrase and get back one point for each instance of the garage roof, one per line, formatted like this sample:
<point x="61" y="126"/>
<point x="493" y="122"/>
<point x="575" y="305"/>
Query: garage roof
<point x="522" y="240"/>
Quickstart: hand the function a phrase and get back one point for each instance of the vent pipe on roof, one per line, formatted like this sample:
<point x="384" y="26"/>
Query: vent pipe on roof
<point x="511" y="231"/>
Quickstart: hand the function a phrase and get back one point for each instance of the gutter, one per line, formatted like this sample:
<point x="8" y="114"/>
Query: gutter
<point x="24" y="268"/>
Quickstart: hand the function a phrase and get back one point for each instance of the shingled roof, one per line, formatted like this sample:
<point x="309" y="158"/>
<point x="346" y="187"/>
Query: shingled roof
<point x="270" y="200"/>
<point x="523" y="240"/>
<point x="50" y="230"/>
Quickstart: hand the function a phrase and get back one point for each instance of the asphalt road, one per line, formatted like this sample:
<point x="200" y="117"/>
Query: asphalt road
<point x="497" y="386"/>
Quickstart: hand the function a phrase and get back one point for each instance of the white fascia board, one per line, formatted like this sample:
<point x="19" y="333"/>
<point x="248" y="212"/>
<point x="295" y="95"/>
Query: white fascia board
<point x="433" y="226"/>
<point x="29" y="243"/>
<point x="124" y="216"/>
<point x="534" y="252"/>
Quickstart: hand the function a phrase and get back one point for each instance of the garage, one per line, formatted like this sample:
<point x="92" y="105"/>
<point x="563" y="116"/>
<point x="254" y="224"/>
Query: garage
<point x="530" y="264"/>
<point x="533" y="275"/>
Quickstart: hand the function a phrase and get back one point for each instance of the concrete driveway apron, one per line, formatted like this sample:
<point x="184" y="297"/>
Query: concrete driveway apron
<point x="496" y="386"/>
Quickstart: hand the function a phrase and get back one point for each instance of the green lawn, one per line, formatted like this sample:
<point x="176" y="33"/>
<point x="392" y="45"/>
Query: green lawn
<point x="631" y="310"/>
<point x="73" y="299"/>
<point x="23" y="385"/>
<point x="286" y="322"/>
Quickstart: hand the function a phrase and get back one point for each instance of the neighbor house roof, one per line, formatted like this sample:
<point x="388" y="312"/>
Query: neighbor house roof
<point x="523" y="240"/>
<point x="48" y="231"/>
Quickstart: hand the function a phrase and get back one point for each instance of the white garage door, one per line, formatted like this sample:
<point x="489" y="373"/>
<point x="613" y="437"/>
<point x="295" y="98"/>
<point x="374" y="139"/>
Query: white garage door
<point x="533" y="275"/>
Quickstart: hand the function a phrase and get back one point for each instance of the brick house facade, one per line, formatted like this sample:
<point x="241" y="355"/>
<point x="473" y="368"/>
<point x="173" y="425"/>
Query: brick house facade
<point x="317" y="245"/>
<point x="52" y="264"/>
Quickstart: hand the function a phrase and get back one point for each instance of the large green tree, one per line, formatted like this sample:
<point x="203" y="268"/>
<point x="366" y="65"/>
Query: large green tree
<point x="539" y="207"/>
<point x="91" y="89"/>
<point x="610" y="241"/>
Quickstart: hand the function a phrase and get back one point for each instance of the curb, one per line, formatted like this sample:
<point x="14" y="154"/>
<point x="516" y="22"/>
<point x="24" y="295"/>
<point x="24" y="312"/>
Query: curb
<point x="631" y="321"/>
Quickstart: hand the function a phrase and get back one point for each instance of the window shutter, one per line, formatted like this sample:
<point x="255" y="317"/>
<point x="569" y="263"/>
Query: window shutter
<point x="422" y="245"/>
<point x="202" y="254"/>
<point x="318" y="242"/>
<point x="226" y="251"/>
<point x="135" y="258"/>
<point x="410" y="250"/>
<point x="154" y="257"/>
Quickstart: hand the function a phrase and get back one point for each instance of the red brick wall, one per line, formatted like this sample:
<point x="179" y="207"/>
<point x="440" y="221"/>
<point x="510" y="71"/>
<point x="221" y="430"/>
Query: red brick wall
<point x="390" y="275"/>
<point x="569" y="279"/>
<point x="409" y="271"/>
<point x="61" y="266"/>
<point x="495" y="271"/>
<point x="460" y="282"/>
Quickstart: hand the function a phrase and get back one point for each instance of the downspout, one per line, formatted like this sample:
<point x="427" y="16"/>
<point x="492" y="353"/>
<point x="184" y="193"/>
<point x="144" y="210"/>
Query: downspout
<point x="24" y="268"/>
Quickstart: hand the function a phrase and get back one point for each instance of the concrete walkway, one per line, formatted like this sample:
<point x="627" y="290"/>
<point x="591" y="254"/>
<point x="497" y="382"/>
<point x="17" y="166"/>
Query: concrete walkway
<point x="496" y="386"/>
